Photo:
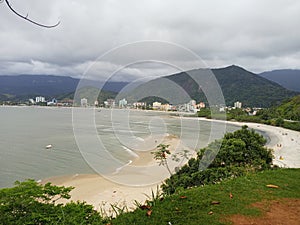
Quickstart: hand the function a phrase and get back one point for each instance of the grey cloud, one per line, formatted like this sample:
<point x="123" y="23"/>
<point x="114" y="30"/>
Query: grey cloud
<point x="259" y="35"/>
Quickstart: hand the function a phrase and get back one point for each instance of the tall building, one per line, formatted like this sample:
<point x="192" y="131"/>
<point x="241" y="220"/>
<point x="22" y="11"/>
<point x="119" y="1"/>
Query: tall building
<point x="40" y="99"/>
<point x="84" y="102"/>
<point x="122" y="103"/>
<point x="238" y="104"/>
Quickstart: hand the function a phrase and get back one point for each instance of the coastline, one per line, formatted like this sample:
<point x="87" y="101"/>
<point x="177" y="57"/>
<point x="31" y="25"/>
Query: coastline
<point x="119" y="189"/>
<point x="101" y="192"/>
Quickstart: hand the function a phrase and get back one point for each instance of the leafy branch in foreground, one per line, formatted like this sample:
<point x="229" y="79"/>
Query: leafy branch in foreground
<point x="26" y="17"/>
<point x="31" y="203"/>
<point x="161" y="155"/>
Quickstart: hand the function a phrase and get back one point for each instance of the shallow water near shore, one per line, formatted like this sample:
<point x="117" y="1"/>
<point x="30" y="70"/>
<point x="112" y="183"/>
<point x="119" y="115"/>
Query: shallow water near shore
<point x="26" y="131"/>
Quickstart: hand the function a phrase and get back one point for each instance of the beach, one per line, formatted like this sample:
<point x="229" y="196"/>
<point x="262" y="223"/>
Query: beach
<point x="101" y="192"/>
<point x="125" y="187"/>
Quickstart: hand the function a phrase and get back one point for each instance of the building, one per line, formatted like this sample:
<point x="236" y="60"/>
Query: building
<point x="83" y="102"/>
<point x="122" y="103"/>
<point x="201" y="105"/>
<point x="110" y="103"/>
<point x="139" y="105"/>
<point x="156" y="105"/>
<point x="52" y="102"/>
<point x="39" y="99"/>
<point x="238" y="105"/>
<point x="166" y="107"/>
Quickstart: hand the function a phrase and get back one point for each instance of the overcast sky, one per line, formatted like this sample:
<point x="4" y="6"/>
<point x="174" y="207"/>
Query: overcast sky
<point x="258" y="35"/>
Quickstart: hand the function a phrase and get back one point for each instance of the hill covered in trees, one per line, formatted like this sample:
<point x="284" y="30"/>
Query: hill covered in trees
<point x="238" y="84"/>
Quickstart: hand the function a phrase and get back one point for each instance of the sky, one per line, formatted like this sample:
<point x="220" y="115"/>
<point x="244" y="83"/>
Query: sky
<point x="254" y="34"/>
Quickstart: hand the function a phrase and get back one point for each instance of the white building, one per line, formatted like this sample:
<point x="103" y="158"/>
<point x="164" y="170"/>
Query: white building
<point x="83" y="102"/>
<point x="52" y="102"/>
<point x="40" y="99"/>
<point x="139" y="104"/>
<point x="238" y="104"/>
<point x="110" y="103"/>
<point x="122" y="103"/>
<point x="156" y="105"/>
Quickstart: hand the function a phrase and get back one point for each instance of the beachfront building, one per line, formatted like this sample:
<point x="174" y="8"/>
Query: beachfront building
<point x="238" y="105"/>
<point x="52" y="102"/>
<point x="201" y="105"/>
<point x="139" y="105"/>
<point x="110" y="103"/>
<point x="166" y="107"/>
<point x="156" y="105"/>
<point x="31" y="101"/>
<point x="122" y="103"/>
<point x="84" y="102"/>
<point x="39" y="99"/>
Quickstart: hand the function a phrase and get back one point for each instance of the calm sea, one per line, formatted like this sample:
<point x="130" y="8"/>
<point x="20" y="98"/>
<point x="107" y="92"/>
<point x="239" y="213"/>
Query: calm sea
<point x="26" y="131"/>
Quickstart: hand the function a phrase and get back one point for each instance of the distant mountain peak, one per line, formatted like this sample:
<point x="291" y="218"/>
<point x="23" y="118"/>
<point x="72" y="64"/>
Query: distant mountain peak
<point x="288" y="78"/>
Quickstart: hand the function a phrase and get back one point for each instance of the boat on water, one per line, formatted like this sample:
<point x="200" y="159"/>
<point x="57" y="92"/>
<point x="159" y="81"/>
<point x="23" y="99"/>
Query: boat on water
<point x="48" y="146"/>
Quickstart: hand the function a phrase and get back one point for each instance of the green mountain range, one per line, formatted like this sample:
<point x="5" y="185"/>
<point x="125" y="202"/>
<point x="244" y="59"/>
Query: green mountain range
<point x="231" y="84"/>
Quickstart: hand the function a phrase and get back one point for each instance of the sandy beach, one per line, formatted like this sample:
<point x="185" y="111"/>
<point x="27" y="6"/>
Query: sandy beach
<point x="101" y="192"/>
<point x="123" y="188"/>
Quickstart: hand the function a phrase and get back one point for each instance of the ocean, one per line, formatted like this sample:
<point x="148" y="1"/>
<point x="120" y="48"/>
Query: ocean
<point x="26" y="131"/>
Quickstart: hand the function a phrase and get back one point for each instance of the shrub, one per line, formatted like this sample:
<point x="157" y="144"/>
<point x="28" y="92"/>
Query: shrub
<point x="236" y="154"/>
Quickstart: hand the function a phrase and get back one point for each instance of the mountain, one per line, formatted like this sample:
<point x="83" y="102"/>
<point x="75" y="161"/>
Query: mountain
<point x="22" y="87"/>
<point x="33" y="85"/>
<point x="236" y="83"/>
<point x="241" y="85"/>
<point x="289" y="79"/>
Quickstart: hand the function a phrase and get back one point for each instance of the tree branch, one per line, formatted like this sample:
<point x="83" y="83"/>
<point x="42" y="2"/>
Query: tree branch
<point x="29" y="20"/>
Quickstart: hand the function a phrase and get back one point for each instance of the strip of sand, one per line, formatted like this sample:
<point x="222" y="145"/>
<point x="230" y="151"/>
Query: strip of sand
<point x="284" y="142"/>
<point x="134" y="182"/>
<point x="101" y="192"/>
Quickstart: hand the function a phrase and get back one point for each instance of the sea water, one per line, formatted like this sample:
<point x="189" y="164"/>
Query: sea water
<point x="26" y="131"/>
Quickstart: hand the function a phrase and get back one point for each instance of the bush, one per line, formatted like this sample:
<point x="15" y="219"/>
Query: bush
<point x="236" y="154"/>
<point x="31" y="203"/>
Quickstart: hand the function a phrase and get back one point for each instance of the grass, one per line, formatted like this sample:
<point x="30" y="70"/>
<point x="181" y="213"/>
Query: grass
<point x="194" y="206"/>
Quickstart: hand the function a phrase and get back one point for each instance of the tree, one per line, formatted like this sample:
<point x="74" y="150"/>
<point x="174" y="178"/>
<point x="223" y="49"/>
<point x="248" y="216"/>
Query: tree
<point x="238" y="153"/>
<point x="161" y="155"/>
<point x="26" y="17"/>
<point x="32" y="203"/>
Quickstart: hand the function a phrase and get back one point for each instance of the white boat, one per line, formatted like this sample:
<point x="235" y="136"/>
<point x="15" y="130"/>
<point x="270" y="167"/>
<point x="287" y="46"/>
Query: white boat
<point x="48" y="146"/>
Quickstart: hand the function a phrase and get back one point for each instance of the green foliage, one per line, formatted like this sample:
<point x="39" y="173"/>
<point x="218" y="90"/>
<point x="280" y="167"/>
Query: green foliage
<point x="192" y="206"/>
<point x="236" y="154"/>
<point x="161" y="155"/>
<point x="290" y="109"/>
<point x="205" y="112"/>
<point x="31" y="203"/>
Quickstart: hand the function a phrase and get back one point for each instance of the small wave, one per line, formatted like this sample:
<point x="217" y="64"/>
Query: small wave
<point x="120" y="168"/>
<point x="132" y="153"/>
<point x="139" y="138"/>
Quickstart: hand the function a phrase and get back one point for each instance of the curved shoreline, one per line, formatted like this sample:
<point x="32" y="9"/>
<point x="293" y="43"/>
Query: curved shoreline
<point x="101" y="192"/>
<point x="286" y="148"/>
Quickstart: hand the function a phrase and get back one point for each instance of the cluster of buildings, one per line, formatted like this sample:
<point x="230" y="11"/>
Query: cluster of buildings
<point x="192" y="106"/>
<point x="41" y="100"/>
